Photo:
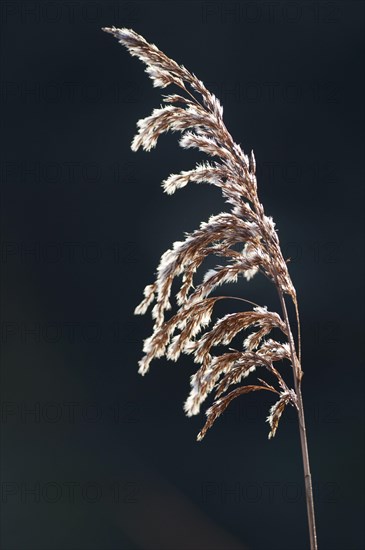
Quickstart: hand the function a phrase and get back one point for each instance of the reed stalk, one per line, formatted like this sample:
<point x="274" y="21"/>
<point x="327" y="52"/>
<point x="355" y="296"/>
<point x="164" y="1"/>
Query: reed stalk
<point x="234" y="173"/>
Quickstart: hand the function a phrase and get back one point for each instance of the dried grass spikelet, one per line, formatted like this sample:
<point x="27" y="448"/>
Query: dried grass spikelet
<point x="198" y="115"/>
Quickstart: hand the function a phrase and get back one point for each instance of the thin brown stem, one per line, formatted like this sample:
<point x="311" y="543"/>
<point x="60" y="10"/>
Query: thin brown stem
<point x="299" y="331"/>
<point x="297" y="371"/>
<point x="183" y="87"/>
<point x="240" y="299"/>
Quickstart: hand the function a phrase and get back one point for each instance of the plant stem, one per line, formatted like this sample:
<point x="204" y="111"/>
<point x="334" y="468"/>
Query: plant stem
<point x="297" y="373"/>
<point x="303" y="434"/>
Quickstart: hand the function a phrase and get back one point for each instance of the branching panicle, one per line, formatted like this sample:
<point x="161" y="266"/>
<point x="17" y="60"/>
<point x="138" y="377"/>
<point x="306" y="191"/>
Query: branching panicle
<point x="198" y="115"/>
<point x="201" y="124"/>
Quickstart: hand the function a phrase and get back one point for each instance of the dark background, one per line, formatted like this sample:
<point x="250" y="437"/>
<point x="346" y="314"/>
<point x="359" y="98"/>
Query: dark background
<point x="93" y="456"/>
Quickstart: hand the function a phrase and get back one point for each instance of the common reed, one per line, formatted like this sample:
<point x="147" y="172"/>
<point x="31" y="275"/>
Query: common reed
<point x="198" y="115"/>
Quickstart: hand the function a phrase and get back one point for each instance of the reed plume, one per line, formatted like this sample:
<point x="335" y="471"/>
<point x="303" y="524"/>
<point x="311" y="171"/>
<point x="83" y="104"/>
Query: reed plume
<point x="198" y="115"/>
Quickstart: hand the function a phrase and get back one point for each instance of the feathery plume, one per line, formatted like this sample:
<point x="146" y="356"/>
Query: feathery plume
<point x="198" y="115"/>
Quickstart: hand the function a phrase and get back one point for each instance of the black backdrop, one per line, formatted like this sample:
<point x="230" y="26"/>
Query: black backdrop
<point x="93" y="455"/>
